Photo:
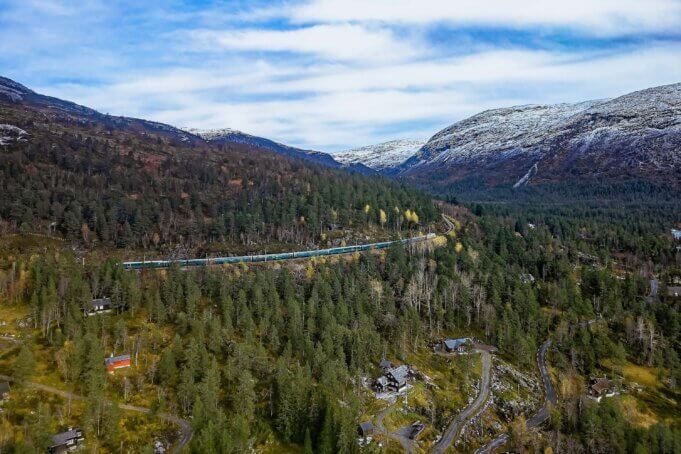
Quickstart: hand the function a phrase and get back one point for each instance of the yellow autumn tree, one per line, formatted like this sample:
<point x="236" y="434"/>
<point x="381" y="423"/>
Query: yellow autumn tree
<point x="382" y="217"/>
<point x="411" y="216"/>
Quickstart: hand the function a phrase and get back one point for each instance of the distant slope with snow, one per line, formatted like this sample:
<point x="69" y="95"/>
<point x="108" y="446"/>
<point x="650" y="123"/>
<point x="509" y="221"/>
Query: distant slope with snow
<point x="635" y="136"/>
<point x="228" y="135"/>
<point x="382" y="157"/>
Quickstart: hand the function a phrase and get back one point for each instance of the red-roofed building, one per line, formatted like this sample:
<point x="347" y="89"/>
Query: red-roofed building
<point x="117" y="362"/>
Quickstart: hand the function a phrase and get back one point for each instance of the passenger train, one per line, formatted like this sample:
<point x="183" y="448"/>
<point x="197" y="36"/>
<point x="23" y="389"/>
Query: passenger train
<point x="271" y="257"/>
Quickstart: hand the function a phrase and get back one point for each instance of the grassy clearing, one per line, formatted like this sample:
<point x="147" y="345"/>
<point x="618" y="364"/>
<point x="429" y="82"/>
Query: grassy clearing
<point x="636" y="412"/>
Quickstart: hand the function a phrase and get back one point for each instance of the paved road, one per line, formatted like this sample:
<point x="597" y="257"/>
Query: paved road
<point x="452" y="432"/>
<point x="185" y="427"/>
<point x="543" y="413"/>
<point x="401" y="435"/>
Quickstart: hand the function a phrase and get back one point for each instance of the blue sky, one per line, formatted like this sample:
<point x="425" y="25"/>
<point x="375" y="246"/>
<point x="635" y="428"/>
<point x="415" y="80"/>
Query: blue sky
<point x="333" y="74"/>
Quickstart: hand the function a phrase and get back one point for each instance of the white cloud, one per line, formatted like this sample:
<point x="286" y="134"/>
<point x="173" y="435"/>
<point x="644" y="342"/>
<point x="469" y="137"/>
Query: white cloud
<point x="344" y="106"/>
<point x="594" y="17"/>
<point x="335" y="41"/>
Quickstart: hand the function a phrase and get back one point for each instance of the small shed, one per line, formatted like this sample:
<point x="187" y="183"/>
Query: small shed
<point x="455" y="345"/>
<point x="674" y="291"/>
<point x="4" y="390"/>
<point x="116" y="362"/>
<point x="66" y="441"/>
<point x="365" y="429"/>
<point x="385" y="365"/>
<point x="99" y="306"/>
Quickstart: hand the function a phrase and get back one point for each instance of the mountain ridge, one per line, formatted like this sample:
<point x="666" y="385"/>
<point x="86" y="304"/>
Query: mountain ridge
<point x="637" y="135"/>
<point x="382" y="157"/>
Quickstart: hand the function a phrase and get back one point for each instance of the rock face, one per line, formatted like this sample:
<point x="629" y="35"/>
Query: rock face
<point x="634" y="136"/>
<point x="227" y="135"/>
<point x="383" y="157"/>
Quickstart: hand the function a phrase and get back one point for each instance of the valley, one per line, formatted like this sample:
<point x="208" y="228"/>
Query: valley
<point x="171" y="290"/>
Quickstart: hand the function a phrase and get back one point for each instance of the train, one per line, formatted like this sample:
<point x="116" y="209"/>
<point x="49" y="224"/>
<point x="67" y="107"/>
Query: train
<point x="271" y="257"/>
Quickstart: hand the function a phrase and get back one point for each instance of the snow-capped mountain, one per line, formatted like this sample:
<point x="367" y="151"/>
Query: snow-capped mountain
<point x="637" y="136"/>
<point x="227" y="135"/>
<point x="382" y="157"/>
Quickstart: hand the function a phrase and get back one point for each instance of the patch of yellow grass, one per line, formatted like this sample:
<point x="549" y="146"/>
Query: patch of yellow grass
<point x="642" y="375"/>
<point x="636" y="413"/>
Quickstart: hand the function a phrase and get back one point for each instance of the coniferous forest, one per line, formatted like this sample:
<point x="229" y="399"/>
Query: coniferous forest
<point x="285" y="356"/>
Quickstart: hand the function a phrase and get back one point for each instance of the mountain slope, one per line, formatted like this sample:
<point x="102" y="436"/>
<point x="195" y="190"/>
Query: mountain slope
<point x="225" y="136"/>
<point x="72" y="171"/>
<point x="635" y="136"/>
<point x="382" y="157"/>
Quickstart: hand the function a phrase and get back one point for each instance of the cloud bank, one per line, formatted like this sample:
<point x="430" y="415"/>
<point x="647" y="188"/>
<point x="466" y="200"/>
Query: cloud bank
<point x="332" y="74"/>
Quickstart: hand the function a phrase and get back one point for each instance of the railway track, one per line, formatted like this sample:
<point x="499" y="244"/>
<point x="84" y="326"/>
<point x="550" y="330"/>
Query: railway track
<point x="261" y="258"/>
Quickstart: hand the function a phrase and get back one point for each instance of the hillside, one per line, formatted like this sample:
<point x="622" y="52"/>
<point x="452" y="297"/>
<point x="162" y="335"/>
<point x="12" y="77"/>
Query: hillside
<point x="232" y="136"/>
<point x="635" y="136"/>
<point x="70" y="171"/>
<point x="383" y="157"/>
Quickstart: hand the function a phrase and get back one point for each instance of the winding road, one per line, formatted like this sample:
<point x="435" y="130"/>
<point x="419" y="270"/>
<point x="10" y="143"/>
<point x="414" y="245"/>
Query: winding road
<point x="543" y="414"/>
<point x="401" y="435"/>
<point x="185" y="428"/>
<point x="452" y="432"/>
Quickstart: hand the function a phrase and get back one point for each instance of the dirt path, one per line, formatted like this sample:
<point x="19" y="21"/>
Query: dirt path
<point x="185" y="427"/>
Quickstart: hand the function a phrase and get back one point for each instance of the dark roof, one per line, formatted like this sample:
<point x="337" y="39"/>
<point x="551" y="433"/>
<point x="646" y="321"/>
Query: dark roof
<point x="4" y="387"/>
<point x="366" y="426"/>
<point x="101" y="302"/>
<point x="455" y="343"/>
<point x="115" y="359"/>
<point x="600" y="385"/>
<point x="63" y="437"/>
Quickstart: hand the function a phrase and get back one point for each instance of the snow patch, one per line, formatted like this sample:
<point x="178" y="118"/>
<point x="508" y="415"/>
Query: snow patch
<point x="525" y="179"/>
<point x="381" y="156"/>
<point x="11" y="134"/>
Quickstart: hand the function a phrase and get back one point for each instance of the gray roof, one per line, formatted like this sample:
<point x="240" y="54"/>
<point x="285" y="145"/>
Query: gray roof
<point x="63" y="437"/>
<point x="399" y="374"/>
<point x="4" y="387"/>
<point x="366" y="425"/>
<point x="455" y="343"/>
<point x="385" y="364"/>
<point x="100" y="302"/>
<point x="382" y="380"/>
<point x="674" y="291"/>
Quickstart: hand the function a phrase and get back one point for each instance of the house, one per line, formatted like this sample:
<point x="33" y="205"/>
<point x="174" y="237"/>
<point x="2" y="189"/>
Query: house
<point x="385" y="365"/>
<point x="99" y="306"/>
<point x="4" y="391"/>
<point x="674" y="292"/>
<point x="365" y="429"/>
<point x="67" y="441"/>
<point x="381" y="384"/>
<point x="397" y="377"/>
<point x="455" y="345"/>
<point x="527" y="278"/>
<point x="116" y="362"/>
<point x="676" y="234"/>
<point x="599" y="387"/>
